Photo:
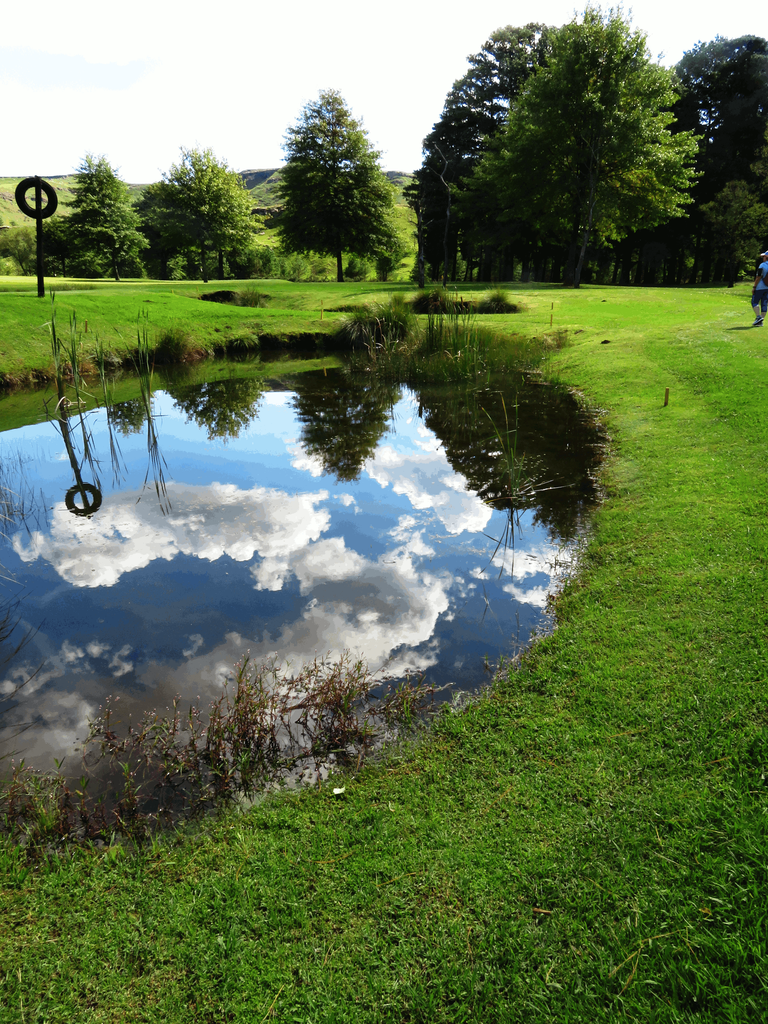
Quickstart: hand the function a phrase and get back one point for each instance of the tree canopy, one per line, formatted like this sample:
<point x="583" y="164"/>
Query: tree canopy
<point x="200" y="202"/>
<point x="103" y="220"/>
<point x="335" y="197"/>
<point x="475" y="110"/>
<point x="588" y="149"/>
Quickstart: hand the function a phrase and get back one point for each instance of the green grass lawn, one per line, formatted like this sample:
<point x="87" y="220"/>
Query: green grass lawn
<point x="587" y="842"/>
<point x="113" y="312"/>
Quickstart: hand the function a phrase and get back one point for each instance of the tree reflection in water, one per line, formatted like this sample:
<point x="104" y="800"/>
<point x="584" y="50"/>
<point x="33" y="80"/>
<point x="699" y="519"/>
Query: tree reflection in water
<point x="343" y="417"/>
<point x="223" y="408"/>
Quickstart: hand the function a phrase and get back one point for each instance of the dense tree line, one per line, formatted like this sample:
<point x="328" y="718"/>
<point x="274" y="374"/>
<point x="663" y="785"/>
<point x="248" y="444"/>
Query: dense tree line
<point x="562" y="154"/>
<point x="567" y="154"/>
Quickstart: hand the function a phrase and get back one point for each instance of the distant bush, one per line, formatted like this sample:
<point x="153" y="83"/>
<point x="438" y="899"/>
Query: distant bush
<point x="497" y="301"/>
<point x="252" y="297"/>
<point x="174" y="345"/>
<point x="378" y="322"/>
<point x="357" y="269"/>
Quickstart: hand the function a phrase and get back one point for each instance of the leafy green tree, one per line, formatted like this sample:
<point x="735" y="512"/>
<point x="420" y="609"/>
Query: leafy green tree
<point x="335" y="197"/>
<point x="475" y="111"/>
<point x="20" y="245"/>
<point x="737" y="221"/>
<point x="588" y="151"/>
<point x="103" y="220"/>
<point x="202" y="203"/>
<point x="58" y="244"/>
<point x="724" y="103"/>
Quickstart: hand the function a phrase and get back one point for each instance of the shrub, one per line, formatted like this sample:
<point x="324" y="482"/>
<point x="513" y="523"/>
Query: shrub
<point x="437" y="300"/>
<point x="252" y="297"/>
<point x="174" y="345"/>
<point x="378" y="322"/>
<point x="497" y="301"/>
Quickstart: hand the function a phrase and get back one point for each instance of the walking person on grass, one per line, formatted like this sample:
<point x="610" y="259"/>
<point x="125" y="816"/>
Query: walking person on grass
<point x="760" y="291"/>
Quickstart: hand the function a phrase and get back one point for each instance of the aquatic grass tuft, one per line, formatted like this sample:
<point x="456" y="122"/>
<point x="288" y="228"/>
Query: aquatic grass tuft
<point x="497" y="301"/>
<point x="269" y="727"/>
<point x="372" y="323"/>
<point x="174" y="345"/>
<point x="252" y="298"/>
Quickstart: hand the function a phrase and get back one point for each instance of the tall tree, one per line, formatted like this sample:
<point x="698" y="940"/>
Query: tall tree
<point x="335" y="197"/>
<point x="737" y="220"/>
<point x="475" y="110"/>
<point x="19" y="244"/>
<point x="103" y="220"/>
<point x="724" y="102"/>
<point x="588" y="151"/>
<point x="201" y="202"/>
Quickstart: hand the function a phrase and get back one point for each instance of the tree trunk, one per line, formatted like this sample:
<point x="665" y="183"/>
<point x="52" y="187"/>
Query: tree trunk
<point x="339" y="268"/>
<point x="115" y="271"/>
<point x="221" y="264"/>
<point x="203" y="263"/>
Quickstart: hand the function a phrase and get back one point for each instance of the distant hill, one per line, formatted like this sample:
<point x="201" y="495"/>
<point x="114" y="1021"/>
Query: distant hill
<point x="264" y="185"/>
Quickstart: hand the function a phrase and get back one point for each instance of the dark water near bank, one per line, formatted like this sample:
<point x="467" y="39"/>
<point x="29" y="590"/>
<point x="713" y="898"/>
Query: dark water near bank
<point x="292" y="519"/>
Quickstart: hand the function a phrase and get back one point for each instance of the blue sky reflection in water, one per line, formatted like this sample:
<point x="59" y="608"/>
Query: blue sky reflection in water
<point x="328" y="516"/>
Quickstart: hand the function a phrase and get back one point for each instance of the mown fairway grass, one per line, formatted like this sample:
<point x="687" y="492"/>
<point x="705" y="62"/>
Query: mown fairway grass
<point x="587" y="842"/>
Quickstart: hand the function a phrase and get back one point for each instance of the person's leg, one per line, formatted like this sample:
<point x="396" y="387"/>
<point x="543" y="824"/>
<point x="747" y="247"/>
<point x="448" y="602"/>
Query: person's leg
<point x="759" y="299"/>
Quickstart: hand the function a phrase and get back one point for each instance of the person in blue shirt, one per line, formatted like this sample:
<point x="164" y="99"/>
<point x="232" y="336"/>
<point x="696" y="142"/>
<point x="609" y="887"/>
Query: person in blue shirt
<point x="760" y="291"/>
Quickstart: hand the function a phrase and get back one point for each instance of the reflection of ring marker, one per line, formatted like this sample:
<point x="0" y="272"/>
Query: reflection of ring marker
<point x="32" y="211"/>
<point x="88" y="507"/>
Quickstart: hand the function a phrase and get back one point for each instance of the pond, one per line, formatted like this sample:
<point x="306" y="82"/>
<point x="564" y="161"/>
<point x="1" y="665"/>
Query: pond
<point x="285" y="518"/>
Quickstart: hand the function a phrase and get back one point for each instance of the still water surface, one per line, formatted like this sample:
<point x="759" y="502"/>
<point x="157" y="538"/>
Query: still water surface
<point x="298" y="518"/>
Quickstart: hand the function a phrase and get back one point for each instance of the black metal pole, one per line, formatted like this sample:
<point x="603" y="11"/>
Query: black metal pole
<point x="39" y="228"/>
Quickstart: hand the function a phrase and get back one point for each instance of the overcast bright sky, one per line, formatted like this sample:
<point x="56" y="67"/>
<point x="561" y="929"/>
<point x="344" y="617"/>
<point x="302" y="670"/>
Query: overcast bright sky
<point x="137" y="81"/>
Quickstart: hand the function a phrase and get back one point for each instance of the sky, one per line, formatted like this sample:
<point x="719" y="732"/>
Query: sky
<point x="137" y="82"/>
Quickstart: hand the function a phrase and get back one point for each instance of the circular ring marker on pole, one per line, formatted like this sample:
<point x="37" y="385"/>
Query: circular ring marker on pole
<point x="21" y="198"/>
<point x="91" y="497"/>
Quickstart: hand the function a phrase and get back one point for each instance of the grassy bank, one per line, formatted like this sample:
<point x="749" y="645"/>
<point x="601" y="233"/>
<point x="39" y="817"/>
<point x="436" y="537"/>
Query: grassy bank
<point x="589" y="841"/>
<point x="294" y="315"/>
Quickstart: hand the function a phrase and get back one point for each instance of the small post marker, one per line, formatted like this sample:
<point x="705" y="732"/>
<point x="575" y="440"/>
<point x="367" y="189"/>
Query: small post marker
<point x="666" y="397"/>
<point x="551" y="315"/>
<point x="86" y="326"/>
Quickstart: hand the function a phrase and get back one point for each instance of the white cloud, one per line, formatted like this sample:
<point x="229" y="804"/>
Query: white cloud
<point x="197" y="643"/>
<point x="301" y="460"/>
<point x="206" y="522"/>
<point x="428" y="482"/>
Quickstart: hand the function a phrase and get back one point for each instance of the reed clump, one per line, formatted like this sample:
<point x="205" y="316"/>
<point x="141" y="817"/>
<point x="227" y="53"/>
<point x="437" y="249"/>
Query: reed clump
<point x="447" y="345"/>
<point x="376" y="323"/>
<point x="269" y="727"/>
<point x="175" y="345"/>
<point x="253" y="298"/>
<point x="497" y="301"/>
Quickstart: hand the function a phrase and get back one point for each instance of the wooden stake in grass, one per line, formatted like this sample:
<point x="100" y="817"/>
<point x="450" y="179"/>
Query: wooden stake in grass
<point x="551" y="315"/>
<point x="666" y="397"/>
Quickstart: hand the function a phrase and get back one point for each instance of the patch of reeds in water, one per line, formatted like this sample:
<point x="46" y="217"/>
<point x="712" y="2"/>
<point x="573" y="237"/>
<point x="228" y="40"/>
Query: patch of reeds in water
<point x="449" y="345"/>
<point x="269" y="727"/>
